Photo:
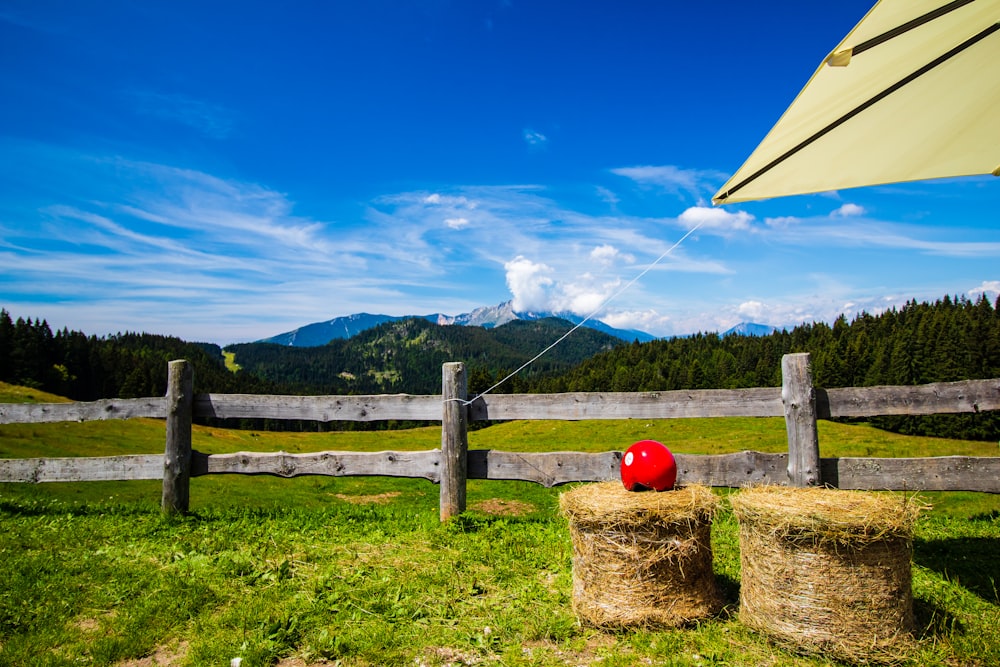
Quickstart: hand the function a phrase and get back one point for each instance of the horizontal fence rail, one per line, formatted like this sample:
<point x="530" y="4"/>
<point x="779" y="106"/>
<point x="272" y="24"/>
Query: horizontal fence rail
<point x="319" y="408"/>
<point x="113" y="408"/>
<point x="737" y="469"/>
<point x="797" y="401"/>
<point x="937" y="398"/>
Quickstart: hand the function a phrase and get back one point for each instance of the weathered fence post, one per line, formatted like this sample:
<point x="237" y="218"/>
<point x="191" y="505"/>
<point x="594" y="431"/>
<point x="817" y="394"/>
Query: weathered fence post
<point x="799" y="398"/>
<point x="177" y="455"/>
<point x="454" y="439"/>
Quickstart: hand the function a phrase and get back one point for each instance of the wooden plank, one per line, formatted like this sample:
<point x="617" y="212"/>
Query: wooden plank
<point x="945" y="473"/>
<point x="454" y="439"/>
<point x="939" y="473"/>
<point x="732" y="470"/>
<point x="545" y="468"/>
<point x="82" y="469"/>
<point x="799" y="398"/>
<point x="426" y="464"/>
<point x="114" y="408"/>
<point x="319" y="408"/>
<point x="680" y="404"/>
<point x="926" y="399"/>
<point x="554" y="468"/>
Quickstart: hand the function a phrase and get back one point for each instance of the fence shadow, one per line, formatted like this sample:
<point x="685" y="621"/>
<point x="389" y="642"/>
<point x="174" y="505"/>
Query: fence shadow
<point x="970" y="562"/>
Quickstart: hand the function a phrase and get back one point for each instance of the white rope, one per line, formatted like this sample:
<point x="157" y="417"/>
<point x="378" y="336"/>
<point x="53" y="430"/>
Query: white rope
<point x="593" y="313"/>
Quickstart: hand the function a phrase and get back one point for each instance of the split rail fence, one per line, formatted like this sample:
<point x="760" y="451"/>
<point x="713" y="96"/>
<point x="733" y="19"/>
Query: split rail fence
<point x="797" y="400"/>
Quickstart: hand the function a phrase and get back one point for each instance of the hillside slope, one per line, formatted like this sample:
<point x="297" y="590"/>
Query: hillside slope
<point x="406" y="356"/>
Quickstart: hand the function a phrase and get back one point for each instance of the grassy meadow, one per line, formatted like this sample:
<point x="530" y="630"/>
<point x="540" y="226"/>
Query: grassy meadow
<point x="359" y="571"/>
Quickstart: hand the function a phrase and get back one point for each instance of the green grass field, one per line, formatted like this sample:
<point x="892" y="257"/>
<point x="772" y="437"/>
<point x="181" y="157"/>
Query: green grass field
<point x="358" y="571"/>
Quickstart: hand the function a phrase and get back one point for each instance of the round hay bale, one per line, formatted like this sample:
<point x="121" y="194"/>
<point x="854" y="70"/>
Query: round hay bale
<point x="827" y="571"/>
<point x="641" y="559"/>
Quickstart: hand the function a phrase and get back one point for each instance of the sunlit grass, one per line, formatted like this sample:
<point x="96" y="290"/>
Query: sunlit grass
<point x="359" y="571"/>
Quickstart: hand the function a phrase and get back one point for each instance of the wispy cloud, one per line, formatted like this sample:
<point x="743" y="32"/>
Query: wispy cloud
<point x="535" y="140"/>
<point x="860" y="232"/>
<point x="212" y="120"/>
<point x="697" y="184"/>
<point x="135" y="245"/>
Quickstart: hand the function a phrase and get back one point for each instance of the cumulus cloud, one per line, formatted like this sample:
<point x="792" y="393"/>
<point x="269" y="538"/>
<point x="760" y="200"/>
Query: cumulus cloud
<point x="752" y="310"/>
<point x="457" y="223"/>
<point x="848" y="211"/>
<point x="529" y="283"/>
<point x="585" y="295"/>
<point x="987" y="287"/>
<point x="535" y="286"/>
<point x="715" y="219"/>
<point x="607" y="255"/>
<point x="449" y="201"/>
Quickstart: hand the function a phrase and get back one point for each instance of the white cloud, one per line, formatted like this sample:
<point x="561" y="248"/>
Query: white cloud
<point x="607" y="254"/>
<point x="607" y="195"/>
<point x="673" y="180"/>
<point x="534" y="139"/>
<point x="782" y="222"/>
<point x="648" y="320"/>
<point x="754" y="311"/>
<point x="585" y="295"/>
<point x="529" y="283"/>
<point x="715" y="219"/>
<point x="848" y="211"/>
<point x="139" y="246"/>
<point x="987" y="287"/>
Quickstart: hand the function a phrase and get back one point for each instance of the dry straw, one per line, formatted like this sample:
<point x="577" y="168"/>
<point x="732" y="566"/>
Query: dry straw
<point x="827" y="571"/>
<point x="641" y="559"/>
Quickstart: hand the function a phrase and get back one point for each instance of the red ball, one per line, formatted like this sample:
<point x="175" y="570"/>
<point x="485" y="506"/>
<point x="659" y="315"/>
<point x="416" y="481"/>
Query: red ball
<point x="648" y="464"/>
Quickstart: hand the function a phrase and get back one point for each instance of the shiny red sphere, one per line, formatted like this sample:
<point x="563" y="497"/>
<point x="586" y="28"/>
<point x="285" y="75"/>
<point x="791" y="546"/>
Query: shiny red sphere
<point x="648" y="464"/>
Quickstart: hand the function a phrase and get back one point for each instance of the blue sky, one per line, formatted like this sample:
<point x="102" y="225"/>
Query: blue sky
<point x="226" y="171"/>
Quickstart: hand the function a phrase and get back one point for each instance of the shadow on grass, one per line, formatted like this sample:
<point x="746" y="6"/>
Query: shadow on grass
<point x="933" y="621"/>
<point x="471" y="522"/>
<point x="730" y="588"/>
<point x="970" y="562"/>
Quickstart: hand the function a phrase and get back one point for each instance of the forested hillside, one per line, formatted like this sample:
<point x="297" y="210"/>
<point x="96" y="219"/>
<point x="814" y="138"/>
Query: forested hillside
<point x="950" y="339"/>
<point x="406" y="356"/>
<point x="129" y="365"/>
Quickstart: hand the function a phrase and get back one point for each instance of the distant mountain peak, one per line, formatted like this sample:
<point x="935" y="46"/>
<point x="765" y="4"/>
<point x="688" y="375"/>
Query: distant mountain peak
<point x="348" y="326"/>
<point x="750" y="329"/>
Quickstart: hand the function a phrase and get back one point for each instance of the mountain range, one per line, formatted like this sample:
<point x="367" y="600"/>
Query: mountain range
<point x="348" y="326"/>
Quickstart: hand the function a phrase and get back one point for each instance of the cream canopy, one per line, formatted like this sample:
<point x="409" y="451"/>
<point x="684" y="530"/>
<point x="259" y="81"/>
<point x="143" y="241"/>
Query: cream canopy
<point x="912" y="93"/>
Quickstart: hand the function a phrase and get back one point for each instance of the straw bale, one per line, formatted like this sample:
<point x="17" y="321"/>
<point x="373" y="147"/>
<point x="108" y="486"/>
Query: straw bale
<point x="827" y="571"/>
<point x="641" y="559"/>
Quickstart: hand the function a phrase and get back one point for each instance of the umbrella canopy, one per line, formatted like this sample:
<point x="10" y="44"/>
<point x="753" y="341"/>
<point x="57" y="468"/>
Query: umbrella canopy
<point x="912" y="93"/>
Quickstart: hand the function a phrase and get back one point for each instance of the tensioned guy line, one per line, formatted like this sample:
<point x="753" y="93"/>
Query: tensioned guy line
<point x="592" y="314"/>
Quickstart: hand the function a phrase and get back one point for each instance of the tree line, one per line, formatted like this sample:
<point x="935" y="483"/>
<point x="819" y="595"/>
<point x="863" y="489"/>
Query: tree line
<point x="953" y="338"/>
<point x="125" y="365"/>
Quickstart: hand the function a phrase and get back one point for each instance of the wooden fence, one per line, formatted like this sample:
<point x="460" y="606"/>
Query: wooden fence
<point x="797" y="400"/>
